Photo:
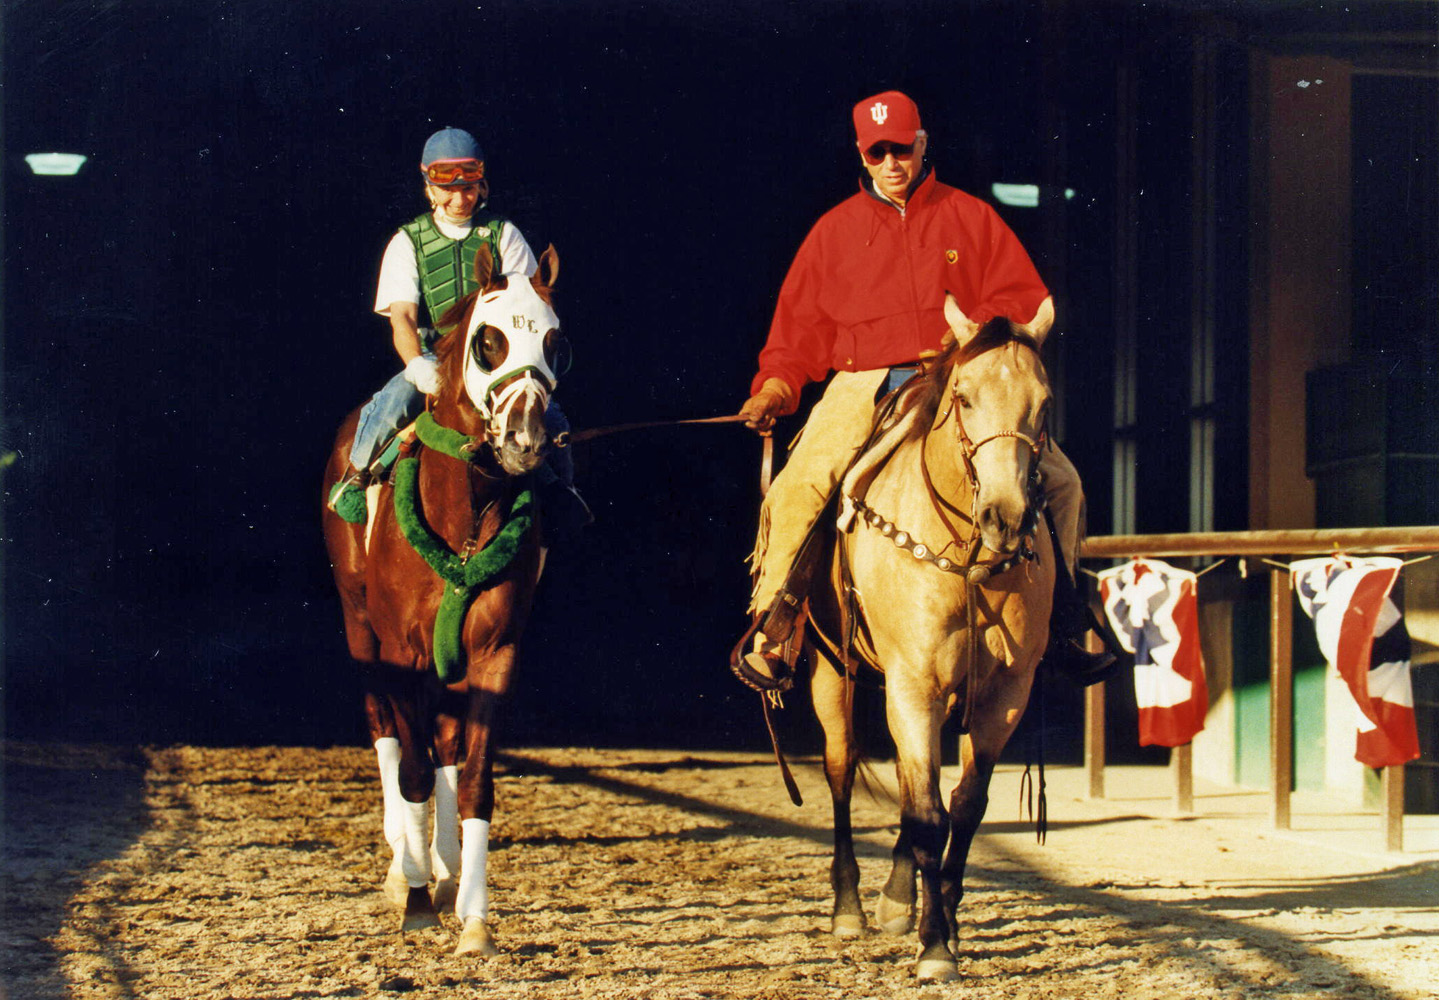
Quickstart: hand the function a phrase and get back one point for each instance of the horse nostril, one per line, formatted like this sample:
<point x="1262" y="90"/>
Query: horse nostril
<point x="992" y="519"/>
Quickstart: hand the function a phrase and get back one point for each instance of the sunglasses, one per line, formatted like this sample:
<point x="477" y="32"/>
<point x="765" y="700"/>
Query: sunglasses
<point x="875" y="154"/>
<point x="455" y="172"/>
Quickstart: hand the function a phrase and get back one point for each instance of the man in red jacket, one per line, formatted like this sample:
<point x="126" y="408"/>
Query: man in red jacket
<point x="864" y="298"/>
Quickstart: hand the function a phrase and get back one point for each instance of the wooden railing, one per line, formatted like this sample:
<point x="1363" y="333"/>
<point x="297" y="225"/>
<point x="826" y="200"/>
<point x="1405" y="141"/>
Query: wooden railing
<point x="1281" y="665"/>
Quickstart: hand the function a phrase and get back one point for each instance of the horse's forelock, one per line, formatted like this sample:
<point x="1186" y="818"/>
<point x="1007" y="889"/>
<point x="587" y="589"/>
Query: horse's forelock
<point x="996" y="333"/>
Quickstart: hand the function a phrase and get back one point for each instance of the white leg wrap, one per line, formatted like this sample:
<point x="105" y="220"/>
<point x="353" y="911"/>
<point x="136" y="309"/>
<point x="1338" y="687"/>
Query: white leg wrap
<point x="445" y="847"/>
<point x="473" y="899"/>
<point x="387" y="749"/>
<point x="416" y="859"/>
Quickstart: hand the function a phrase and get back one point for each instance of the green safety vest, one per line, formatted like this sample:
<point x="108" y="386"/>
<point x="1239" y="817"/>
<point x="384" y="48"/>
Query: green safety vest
<point x="447" y="267"/>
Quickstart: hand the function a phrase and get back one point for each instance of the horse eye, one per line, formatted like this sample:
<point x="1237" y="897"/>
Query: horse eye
<point x="963" y="400"/>
<point x="490" y="349"/>
<point x="558" y="354"/>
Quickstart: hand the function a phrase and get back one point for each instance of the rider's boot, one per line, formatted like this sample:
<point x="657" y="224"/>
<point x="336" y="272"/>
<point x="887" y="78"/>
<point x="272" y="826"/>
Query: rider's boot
<point x="1069" y="623"/>
<point x="765" y="655"/>
<point x="347" y="496"/>
<point x="765" y="665"/>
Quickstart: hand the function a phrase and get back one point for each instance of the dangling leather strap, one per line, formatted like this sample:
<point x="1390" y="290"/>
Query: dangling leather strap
<point x="789" y="782"/>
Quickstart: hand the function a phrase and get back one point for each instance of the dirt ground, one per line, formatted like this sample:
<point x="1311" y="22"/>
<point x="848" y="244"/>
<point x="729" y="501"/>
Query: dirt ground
<point x="185" y="872"/>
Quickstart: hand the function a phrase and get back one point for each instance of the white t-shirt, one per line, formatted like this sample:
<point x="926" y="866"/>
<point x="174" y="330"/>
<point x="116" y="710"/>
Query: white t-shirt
<point x="400" y="274"/>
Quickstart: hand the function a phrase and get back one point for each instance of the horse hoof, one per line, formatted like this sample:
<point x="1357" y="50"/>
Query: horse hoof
<point x="937" y="970"/>
<point x="847" y="925"/>
<point x="419" y="922"/>
<point x="445" y="892"/>
<point x="475" y="939"/>
<point x="419" y="912"/>
<point x="893" y="917"/>
<point x="395" y="888"/>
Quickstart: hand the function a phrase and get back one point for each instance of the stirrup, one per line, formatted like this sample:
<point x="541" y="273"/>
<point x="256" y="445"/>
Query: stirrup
<point x="780" y="679"/>
<point x="347" y="497"/>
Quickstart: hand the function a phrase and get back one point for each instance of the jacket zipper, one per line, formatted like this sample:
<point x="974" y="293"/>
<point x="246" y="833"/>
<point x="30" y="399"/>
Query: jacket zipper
<point x="913" y="287"/>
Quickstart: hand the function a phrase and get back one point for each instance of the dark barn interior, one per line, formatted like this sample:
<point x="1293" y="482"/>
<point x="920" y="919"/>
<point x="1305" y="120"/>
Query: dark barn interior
<point x="187" y="320"/>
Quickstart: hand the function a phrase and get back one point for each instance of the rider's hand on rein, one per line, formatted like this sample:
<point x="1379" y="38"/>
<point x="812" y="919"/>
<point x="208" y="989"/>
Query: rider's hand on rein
<point x="760" y="410"/>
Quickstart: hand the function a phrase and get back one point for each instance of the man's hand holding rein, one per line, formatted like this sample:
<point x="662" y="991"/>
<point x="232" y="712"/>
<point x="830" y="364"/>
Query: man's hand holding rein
<point x="774" y="399"/>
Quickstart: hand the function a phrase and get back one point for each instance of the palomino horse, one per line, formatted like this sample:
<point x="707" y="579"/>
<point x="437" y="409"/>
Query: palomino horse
<point x="435" y="603"/>
<point x="951" y="630"/>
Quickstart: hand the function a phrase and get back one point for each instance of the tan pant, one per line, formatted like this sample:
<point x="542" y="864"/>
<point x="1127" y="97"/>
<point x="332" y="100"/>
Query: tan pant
<point x="836" y="430"/>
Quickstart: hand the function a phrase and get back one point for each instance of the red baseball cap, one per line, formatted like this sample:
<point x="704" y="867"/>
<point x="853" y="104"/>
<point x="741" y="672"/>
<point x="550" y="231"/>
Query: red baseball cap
<point x="886" y="117"/>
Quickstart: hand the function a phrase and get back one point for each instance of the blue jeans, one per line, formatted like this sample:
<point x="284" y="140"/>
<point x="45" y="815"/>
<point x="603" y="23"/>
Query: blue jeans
<point x="398" y="403"/>
<point x="898" y="376"/>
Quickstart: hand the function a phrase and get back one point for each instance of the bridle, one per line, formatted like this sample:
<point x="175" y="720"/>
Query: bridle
<point x="973" y="572"/>
<point x="969" y="542"/>
<point x="968" y="449"/>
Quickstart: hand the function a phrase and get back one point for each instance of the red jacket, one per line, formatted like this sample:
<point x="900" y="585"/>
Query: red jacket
<point x="866" y="289"/>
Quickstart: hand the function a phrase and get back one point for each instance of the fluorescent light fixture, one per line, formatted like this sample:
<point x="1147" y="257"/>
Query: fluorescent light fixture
<point x="55" y="164"/>
<point x="1022" y="195"/>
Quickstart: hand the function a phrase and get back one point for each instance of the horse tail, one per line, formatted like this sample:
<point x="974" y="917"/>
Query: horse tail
<point x="873" y="784"/>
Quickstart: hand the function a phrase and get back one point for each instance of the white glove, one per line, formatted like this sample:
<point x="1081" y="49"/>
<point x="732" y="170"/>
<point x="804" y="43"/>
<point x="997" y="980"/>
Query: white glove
<point x="423" y="372"/>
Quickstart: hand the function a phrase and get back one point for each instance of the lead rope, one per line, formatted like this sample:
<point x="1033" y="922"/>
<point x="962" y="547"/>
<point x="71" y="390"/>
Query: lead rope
<point x="567" y="438"/>
<point x="769" y="700"/>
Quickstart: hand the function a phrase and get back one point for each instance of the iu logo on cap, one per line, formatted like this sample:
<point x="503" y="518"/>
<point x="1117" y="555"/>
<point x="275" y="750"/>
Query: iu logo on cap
<point x="879" y="111"/>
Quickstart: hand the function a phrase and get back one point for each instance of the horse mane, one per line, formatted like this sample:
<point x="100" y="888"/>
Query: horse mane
<point x="447" y="346"/>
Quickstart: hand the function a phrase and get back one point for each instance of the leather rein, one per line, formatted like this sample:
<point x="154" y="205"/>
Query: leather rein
<point x="968" y="542"/>
<point x="973" y="570"/>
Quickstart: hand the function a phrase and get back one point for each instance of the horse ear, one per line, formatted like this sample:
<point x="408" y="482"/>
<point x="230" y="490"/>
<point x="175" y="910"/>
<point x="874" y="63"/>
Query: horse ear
<point x="1038" y="328"/>
<point x="549" y="261"/>
<point x="961" y="328"/>
<point x="484" y="266"/>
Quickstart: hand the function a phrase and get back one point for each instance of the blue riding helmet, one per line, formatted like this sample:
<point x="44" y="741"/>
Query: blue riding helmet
<point x="451" y="144"/>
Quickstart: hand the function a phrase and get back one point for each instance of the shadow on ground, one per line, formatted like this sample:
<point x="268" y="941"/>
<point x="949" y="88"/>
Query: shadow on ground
<point x="67" y="810"/>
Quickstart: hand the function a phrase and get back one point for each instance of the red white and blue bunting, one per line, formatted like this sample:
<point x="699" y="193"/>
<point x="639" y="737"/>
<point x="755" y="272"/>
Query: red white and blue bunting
<point x="1154" y="611"/>
<point x="1358" y="609"/>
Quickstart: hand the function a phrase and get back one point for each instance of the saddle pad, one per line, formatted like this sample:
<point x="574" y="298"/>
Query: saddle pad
<point x="372" y="506"/>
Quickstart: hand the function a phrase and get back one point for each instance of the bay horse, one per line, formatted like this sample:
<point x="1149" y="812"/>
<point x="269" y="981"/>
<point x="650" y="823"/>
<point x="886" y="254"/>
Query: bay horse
<point x="953" y="630"/>
<point x="436" y="597"/>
